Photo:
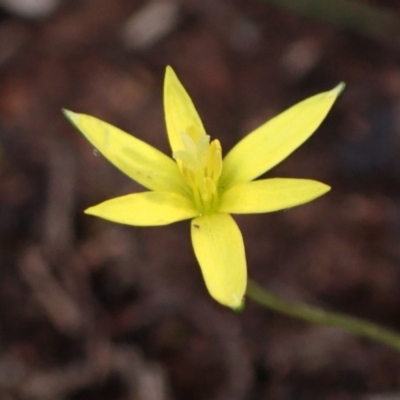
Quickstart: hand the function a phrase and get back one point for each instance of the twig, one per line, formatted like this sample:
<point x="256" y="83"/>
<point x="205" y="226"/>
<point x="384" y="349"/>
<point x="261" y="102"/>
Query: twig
<point x="60" y="308"/>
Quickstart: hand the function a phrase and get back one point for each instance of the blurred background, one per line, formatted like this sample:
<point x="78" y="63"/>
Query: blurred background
<point x="94" y="310"/>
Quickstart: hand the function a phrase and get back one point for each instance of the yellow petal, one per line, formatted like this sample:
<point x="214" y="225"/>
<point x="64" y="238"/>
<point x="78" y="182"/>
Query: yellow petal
<point x="276" y="139"/>
<point x="268" y="195"/>
<point x="180" y="114"/>
<point x="145" y="209"/>
<point x="219" y="248"/>
<point x="137" y="159"/>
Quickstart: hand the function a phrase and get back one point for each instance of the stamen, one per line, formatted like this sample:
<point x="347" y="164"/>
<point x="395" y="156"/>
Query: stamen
<point x="200" y="163"/>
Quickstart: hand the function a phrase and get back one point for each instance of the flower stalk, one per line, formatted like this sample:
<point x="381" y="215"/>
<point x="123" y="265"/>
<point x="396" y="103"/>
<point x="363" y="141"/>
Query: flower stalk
<point x="319" y="316"/>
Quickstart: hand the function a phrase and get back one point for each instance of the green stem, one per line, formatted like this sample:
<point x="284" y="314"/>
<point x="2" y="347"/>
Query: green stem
<point x="319" y="316"/>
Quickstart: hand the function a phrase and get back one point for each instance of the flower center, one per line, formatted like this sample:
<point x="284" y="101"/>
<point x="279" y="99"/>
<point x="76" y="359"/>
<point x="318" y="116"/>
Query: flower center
<point x="200" y="162"/>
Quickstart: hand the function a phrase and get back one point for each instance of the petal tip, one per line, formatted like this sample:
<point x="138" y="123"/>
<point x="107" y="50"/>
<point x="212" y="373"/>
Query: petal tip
<point x="325" y="188"/>
<point x="69" y="114"/>
<point x="337" y="90"/>
<point x="90" y="211"/>
<point x="169" y="73"/>
<point x="240" y="308"/>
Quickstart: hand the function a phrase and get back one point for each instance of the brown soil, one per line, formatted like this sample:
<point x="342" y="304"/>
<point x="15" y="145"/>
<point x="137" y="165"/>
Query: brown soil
<point x="95" y="310"/>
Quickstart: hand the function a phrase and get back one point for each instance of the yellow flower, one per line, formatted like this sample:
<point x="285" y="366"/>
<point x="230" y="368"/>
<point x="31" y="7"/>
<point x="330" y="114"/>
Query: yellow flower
<point x="196" y="183"/>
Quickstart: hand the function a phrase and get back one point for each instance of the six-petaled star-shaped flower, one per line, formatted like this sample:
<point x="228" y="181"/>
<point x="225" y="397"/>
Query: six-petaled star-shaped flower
<point x="198" y="184"/>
